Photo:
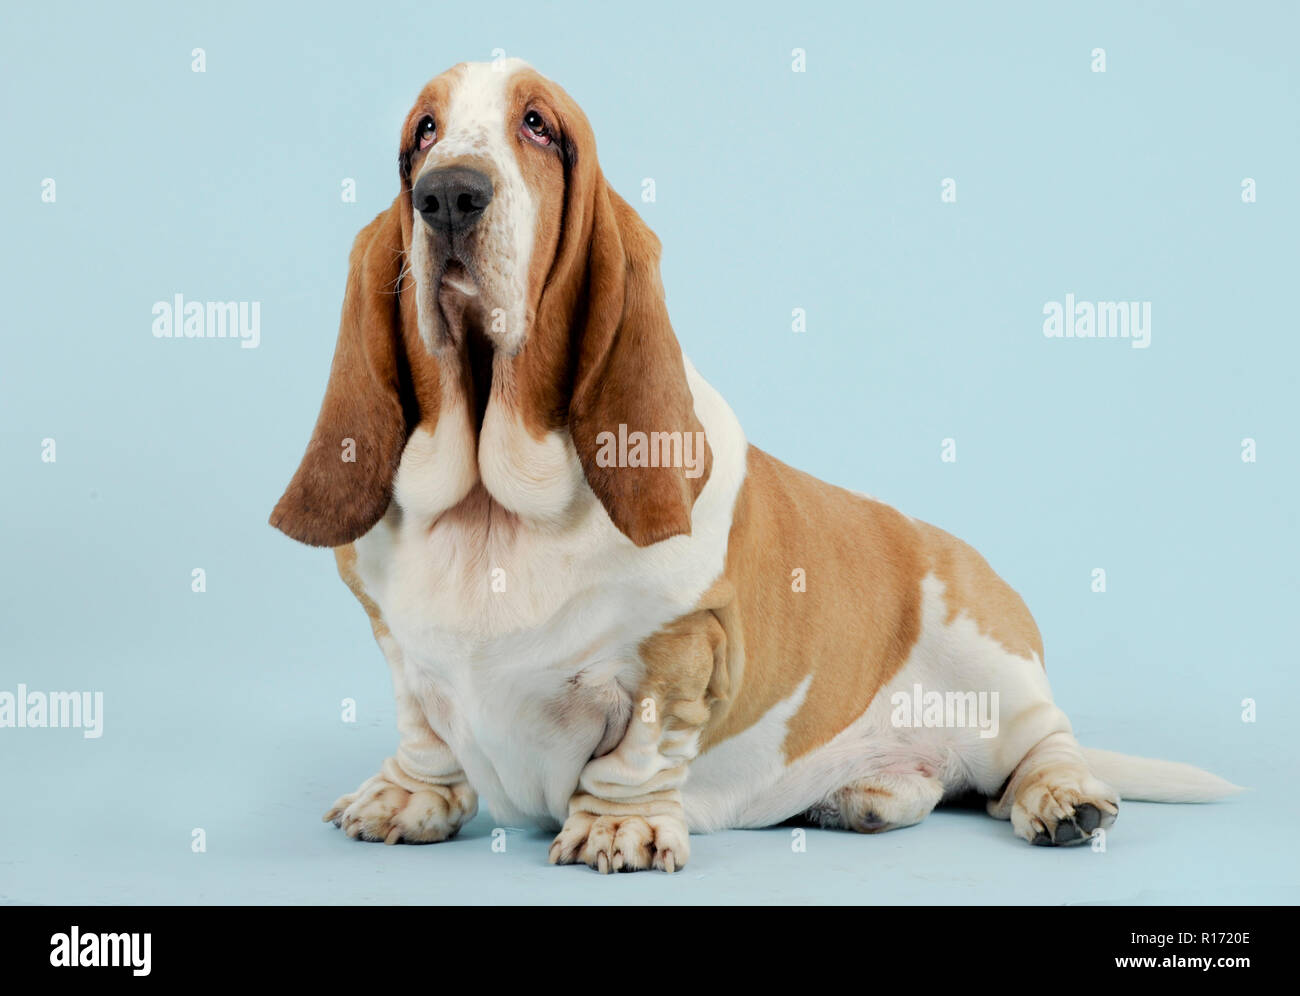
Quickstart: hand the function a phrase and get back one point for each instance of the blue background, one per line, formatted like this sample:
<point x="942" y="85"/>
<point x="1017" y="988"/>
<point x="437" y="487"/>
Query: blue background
<point x="775" y="190"/>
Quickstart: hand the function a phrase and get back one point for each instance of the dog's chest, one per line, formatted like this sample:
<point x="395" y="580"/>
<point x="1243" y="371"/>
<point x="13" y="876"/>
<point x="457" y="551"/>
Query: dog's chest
<point x="518" y="635"/>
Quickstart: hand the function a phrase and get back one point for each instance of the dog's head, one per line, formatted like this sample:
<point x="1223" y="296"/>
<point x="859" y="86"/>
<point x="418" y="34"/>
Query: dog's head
<point x="506" y="272"/>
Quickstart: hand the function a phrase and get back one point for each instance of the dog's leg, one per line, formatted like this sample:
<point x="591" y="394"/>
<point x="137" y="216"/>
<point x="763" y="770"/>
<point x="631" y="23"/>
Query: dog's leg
<point x="886" y="801"/>
<point x="626" y="814"/>
<point x="1052" y="797"/>
<point x="420" y="794"/>
<point x="978" y="636"/>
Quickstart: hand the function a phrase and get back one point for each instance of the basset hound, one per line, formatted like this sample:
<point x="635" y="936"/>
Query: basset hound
<point x="604" y="611"/>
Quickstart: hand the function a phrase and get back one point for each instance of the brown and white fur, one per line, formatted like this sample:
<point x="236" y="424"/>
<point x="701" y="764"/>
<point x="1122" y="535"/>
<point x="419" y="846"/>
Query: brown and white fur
<point x="619" y="652"/>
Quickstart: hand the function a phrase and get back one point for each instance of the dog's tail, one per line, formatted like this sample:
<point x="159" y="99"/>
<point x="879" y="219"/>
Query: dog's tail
<point x="1143" y="779"/>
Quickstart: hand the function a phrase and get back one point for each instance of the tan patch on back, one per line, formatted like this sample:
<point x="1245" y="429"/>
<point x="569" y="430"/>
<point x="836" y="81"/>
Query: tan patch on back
<point x="854" y="626"/>
<point x="972" y="588"/>
<point x="346" y="558"/>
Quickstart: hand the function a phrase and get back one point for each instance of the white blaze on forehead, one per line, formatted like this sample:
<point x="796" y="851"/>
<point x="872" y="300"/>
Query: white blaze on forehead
<point x="473" y="131"/>
<point x="474" y="121"/>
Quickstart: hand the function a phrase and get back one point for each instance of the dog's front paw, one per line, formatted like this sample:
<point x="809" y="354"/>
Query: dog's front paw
<point x="1063" y="805"/>
<point x="382" y="809"/>
<point x="622" y="843"/>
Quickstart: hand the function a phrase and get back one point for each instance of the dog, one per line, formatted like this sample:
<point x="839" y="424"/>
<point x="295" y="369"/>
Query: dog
<point x="604" y="611"/>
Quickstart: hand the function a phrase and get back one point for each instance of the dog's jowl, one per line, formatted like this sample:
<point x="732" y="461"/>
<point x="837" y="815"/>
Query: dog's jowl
<point x="603" y="610"/>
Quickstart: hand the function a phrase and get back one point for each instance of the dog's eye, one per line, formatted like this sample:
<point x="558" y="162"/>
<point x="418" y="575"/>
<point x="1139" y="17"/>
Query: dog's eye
<point x="425" y="131"/>
<point x="535" y="128"/>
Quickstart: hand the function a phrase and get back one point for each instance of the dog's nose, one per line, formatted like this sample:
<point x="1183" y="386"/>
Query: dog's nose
<point x="452" y="198"/>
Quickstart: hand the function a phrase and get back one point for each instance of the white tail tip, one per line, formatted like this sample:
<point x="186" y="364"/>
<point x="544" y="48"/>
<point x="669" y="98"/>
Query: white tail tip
<point x="1144" y="779"/>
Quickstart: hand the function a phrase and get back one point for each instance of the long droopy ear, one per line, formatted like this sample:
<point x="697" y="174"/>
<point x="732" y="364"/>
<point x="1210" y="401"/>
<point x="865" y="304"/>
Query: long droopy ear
<point x="630" y="378"/>
<point x="343" y="485"/>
